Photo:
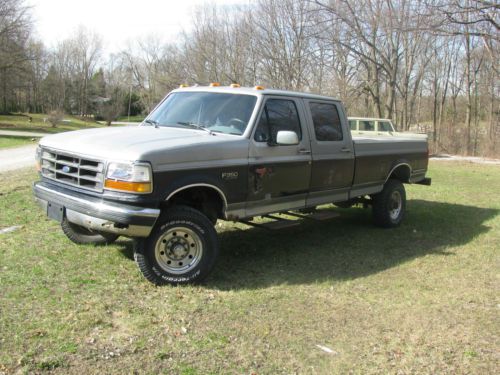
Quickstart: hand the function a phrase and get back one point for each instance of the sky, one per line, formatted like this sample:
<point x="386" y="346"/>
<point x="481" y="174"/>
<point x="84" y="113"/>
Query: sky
<point x="115" y="20"/>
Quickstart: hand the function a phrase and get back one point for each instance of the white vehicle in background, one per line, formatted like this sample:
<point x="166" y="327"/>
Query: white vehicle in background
<point x="370" y="126"/>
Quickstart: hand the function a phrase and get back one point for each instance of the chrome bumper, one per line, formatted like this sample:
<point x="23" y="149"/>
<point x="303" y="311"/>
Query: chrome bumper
<point x="96" y="214"/>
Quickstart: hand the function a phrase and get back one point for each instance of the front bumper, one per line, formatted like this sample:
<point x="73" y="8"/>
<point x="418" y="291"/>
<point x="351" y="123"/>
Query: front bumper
<point x="94" y="213"/>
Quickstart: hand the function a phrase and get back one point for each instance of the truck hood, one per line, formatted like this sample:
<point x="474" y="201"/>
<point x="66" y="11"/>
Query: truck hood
<point x="131" y="143"/>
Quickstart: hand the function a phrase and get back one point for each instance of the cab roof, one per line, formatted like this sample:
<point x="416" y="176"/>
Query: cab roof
<point x="254" y="91"/>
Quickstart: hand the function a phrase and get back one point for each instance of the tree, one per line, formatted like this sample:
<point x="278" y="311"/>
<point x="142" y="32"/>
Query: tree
<point x="15" y="32"/>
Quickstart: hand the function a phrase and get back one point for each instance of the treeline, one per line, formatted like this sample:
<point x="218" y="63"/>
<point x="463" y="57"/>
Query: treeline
<point x="430" y="65"/>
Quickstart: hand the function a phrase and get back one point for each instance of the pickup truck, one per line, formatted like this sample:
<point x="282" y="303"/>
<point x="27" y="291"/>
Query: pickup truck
<point x="210" y="153"/>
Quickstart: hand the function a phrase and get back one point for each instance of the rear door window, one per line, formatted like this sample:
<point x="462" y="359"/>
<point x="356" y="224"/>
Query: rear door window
<point x="326" y="121"/>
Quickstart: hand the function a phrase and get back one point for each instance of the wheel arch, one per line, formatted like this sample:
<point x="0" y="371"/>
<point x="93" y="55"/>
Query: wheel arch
<point x="197" y="195"/>
<point x="400" y="171"/>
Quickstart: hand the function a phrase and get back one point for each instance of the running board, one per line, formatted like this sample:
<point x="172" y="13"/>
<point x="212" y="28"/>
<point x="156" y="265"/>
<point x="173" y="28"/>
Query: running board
<point x="317" y="215"/>
<point x="281" y="223"/>
<point x="278" y="223"/>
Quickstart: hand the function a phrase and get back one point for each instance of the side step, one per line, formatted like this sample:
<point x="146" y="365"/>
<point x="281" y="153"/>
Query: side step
<point x="281" y="223"/>
<point x="278" y="223"/>
<point x="318" y="215"/>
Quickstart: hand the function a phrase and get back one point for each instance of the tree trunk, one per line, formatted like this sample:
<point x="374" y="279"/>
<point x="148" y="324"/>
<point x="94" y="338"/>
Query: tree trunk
<point x="468" y="108"/>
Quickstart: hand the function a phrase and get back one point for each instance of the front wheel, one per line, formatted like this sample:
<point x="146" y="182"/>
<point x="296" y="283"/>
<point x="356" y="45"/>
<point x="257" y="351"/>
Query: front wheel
<point x="389" y="205"/>
<point x="181" y="249"/>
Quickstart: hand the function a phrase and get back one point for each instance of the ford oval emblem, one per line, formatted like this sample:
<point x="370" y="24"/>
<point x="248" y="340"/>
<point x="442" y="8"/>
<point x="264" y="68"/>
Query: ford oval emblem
<point x="66" y="169"/>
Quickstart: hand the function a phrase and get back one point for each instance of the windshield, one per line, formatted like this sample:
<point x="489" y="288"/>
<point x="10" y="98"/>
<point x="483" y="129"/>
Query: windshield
<point x="216" y="112"/>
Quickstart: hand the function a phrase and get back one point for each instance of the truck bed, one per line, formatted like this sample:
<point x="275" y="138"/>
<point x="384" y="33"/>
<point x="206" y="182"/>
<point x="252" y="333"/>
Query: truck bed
<point x="375" y="157"/>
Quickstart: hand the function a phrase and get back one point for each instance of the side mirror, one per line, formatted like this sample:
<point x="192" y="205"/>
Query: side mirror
<point x="287" y="138"/>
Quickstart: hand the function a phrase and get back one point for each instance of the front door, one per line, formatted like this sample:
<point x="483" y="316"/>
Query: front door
<point x="279" y="175"/>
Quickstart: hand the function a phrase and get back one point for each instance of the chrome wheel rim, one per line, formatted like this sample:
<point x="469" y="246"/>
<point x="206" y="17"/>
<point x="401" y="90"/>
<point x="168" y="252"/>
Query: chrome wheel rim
<point x="178" y="250"/>
<point x="395" y="205"/>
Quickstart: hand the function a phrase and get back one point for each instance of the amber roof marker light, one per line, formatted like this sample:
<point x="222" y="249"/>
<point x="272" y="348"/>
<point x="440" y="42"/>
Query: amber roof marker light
<point x="234" y="85"/>
<point x="214" y="84"/>
<point x="259" y="87"/>
<point x="183" y="85"/>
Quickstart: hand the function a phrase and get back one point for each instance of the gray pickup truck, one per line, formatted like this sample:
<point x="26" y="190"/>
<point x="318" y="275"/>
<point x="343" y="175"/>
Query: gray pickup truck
<point x="209" y="153"/>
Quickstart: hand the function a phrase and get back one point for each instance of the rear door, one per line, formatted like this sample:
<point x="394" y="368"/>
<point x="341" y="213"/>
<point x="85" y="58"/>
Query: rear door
<point x="332" y="152"/>
<point x="279" y="175"/>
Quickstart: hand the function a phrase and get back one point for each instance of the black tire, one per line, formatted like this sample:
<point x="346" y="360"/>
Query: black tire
<point x="83" y="236"/>
<point x="389" y="206"/>
<point x="181" y="249"/>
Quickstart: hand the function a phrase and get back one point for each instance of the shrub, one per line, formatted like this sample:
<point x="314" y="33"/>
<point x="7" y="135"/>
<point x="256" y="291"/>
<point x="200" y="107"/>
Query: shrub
<point x="55" y="117"/>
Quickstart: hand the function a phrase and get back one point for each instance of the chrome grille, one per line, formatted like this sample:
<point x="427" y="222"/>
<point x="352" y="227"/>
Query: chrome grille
<point x="73" y="170"/>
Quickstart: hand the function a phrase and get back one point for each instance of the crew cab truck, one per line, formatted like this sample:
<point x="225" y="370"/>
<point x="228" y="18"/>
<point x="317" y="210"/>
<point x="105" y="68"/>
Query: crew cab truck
<point x="209" y="153"/>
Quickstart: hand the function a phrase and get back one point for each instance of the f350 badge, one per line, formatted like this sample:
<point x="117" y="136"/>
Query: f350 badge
<point x="229" y="175"/>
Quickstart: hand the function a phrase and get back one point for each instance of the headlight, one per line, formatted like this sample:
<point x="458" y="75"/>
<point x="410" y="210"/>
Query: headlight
<point x="130" y="177"/>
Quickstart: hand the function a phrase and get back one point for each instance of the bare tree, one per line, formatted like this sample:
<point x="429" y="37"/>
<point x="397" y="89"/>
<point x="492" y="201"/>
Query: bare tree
<point x="15" y="32"/>
<point x="283" y="39"/>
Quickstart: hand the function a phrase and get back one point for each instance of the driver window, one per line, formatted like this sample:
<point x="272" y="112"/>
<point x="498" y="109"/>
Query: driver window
<point x="278" y="114"/>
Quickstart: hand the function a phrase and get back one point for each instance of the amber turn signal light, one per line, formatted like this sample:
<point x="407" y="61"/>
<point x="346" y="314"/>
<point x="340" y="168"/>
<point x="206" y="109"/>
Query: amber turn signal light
<point x="134" y="187"/>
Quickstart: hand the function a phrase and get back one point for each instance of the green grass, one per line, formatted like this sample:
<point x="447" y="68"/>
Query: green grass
<point x="138" y="118"/>
<point x="22" y="123"/>
<point x="9" y="142"/>
<point x="422" y="298"/>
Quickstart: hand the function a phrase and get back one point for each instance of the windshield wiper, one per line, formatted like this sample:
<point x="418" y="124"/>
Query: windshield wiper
<point x="152" y="122"/>
<point x="196" y="126"/>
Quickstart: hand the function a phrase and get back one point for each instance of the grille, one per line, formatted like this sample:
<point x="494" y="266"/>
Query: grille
<point x="73" y="170"/>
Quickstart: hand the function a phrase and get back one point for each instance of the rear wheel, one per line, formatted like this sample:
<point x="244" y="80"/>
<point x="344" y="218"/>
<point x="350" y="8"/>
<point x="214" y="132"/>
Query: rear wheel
<point x="181" y="249"/>
<point x="389" y="205"/>
<point x="81" y="235"/>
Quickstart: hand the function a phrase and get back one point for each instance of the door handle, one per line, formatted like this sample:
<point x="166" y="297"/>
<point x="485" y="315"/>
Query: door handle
<point x="304" y="151"/>
<point x="345" y="149"/>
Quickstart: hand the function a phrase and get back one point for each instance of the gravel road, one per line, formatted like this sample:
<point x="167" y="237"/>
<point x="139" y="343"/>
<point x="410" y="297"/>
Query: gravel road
<point x="17" y="157"/>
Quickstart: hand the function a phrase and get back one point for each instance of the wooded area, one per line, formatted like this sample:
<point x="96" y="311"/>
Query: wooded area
<point x="430" y="65"/>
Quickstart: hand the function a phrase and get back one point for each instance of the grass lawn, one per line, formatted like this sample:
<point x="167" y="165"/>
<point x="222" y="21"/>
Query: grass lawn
<point x="22" y="123"/>
<point x="8" y="142"/>
<point x="138" y="118"/>
<point x="422" y="298"/>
